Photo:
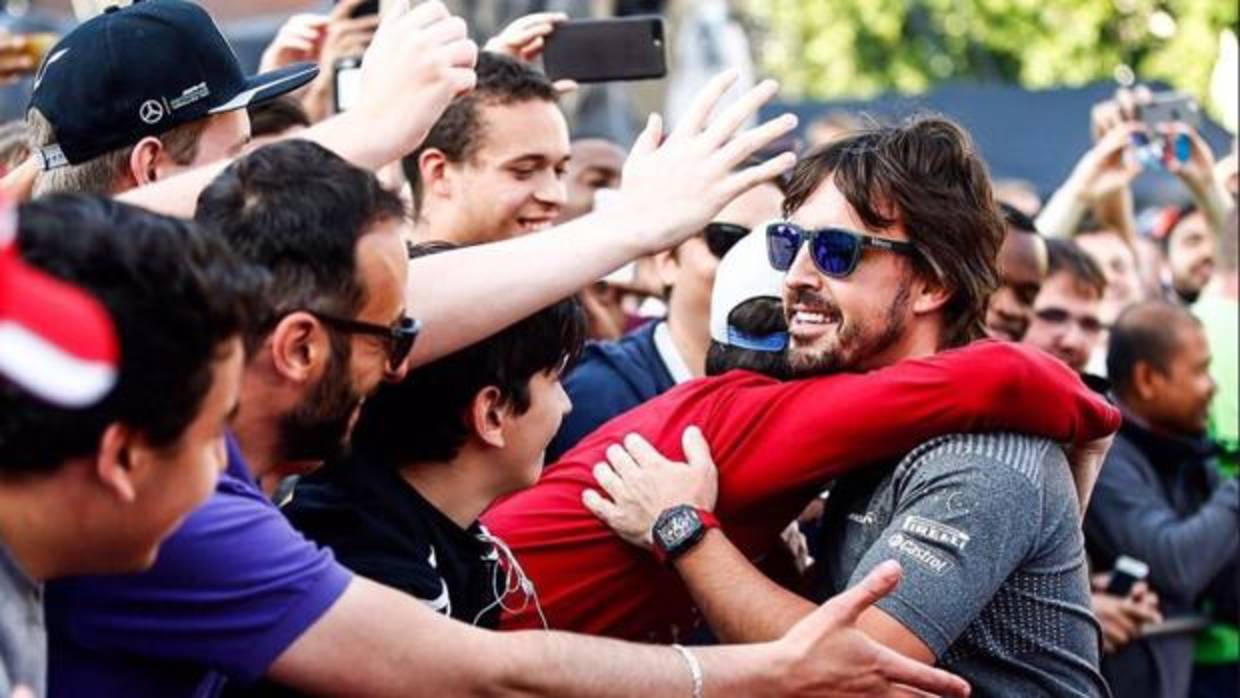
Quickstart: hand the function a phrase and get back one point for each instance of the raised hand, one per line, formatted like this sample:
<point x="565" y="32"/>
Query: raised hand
<point x="298" y="39"/>
<point x="419" y="60"/>
<point x="826" y="655"/>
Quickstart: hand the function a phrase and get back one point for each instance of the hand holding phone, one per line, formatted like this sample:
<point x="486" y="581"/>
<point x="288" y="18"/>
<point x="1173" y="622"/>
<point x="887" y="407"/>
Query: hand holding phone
<point x="1128" y="571"/>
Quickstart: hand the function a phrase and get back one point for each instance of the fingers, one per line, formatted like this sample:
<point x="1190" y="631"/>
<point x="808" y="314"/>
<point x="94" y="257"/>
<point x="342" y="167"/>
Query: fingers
<point x="622" y="462"/>
<point x="725" y="125"/>
<point x="751" y="177"/>
<point x="755" y="139"/>
<point x="697" y="451"/>
<point x="849" y="605"/>
<point x="645" y="455"/>
<point x="609" y="480"/>
<point x="599" y="505"/>
<point x="897" y="668"/>
<point x="650" y="137"/>
<point x="703" y="104"/>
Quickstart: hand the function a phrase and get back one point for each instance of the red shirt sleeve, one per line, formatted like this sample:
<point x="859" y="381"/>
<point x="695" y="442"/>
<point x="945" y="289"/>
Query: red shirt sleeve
<point x="775" y="440"/>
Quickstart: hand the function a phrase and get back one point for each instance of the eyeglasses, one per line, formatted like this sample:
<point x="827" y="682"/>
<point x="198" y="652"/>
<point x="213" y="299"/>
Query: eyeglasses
<point x="835" y="251"/>
<point x="1058" y="316"/>
<point x="721" y="237"/>
<point x="399" y="336"/>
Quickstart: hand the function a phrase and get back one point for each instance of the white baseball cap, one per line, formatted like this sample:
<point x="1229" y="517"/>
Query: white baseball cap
<point x="744" y="274"/>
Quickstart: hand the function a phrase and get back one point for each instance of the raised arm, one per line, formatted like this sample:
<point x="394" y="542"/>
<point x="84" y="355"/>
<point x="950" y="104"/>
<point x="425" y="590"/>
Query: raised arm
<point x="671" y="188"/>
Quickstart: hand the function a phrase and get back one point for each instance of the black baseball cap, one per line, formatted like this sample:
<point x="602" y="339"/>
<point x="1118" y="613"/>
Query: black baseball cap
<point x="140" y="71"/>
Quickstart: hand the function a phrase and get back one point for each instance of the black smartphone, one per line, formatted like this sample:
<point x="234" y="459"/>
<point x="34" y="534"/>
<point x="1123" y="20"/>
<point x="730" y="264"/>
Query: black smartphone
<point x="1128" y="571"/>
<point x="605" y="50"/>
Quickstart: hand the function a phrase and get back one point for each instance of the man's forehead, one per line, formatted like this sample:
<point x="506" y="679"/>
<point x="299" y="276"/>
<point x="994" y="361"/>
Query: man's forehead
<point x="828" y="207"/>
<point x="533" y="128"/>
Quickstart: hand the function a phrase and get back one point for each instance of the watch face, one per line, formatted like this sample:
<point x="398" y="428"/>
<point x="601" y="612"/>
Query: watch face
<point x="677" y="527"/>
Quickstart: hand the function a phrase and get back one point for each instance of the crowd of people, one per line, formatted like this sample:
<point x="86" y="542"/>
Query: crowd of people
<point x="426" y="396"/>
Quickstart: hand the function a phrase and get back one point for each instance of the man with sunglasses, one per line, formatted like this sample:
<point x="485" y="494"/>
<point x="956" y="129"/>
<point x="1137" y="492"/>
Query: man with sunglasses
<point x="891" y="258"/>
<point x="614" y="377"/>
<point x="1067" y="314"/>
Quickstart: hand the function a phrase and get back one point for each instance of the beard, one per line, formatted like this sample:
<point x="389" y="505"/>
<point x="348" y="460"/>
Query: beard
<point x="319" y="429"/>
<point x="855" y="339"/>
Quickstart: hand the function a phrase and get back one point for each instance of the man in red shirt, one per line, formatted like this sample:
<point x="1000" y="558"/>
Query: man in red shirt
<point x="775" y="443"/>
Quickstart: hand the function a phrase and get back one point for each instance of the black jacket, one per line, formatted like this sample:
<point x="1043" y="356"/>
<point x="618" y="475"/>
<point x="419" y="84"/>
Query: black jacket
<point x="1161" y="500"/>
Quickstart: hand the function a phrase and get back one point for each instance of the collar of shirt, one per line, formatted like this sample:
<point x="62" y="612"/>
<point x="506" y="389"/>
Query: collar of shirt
<point x="670" y="355"/>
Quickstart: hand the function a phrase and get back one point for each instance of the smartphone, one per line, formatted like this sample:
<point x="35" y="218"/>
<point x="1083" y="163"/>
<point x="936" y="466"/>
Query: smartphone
<point x="1169" y="107"/>
<point x="606" y="50"/>
<point x="346" y="82"/>
<point x="1128" y="571"/>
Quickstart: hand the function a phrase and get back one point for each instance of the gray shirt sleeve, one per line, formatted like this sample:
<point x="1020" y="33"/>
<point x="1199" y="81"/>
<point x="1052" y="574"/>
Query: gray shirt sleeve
<point x="963" y="522"/>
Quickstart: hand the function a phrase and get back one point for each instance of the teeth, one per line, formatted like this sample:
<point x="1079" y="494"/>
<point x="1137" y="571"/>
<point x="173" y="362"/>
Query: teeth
<point x="810" y="318"/>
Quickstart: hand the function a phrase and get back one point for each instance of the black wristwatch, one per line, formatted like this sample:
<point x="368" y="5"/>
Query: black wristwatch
<point x="678" y="529"/>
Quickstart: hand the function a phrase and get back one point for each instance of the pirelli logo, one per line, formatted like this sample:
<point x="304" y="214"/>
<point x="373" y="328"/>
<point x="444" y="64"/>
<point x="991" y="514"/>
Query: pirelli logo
<point x="935" y="532"/>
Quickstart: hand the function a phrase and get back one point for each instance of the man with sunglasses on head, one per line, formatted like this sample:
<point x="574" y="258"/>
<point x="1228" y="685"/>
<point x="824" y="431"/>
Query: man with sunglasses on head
<point x="890" y="256"/>
<point x="614" y="377"/>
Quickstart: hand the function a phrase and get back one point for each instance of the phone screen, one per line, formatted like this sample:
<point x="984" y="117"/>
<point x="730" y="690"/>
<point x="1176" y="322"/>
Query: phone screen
<point x="348" y="83"/>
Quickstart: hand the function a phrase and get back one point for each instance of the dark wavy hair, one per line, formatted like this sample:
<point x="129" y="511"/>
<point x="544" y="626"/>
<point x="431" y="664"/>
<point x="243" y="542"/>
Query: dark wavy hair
<point x="926" y="174"/>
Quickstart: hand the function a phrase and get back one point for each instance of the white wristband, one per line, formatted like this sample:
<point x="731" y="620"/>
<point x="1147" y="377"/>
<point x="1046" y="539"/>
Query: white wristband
<point x="695" y="670"/>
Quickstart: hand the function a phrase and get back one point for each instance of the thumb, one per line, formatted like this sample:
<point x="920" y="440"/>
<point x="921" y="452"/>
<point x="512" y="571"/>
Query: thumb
<point x="697" y="451"/>
<point x="650" y="138"/>
<point x="847" y="607"/>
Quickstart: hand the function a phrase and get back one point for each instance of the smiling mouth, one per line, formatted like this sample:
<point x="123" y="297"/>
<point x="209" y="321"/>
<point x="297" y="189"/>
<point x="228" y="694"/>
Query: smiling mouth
<point x="811" y="321"/>
<point x="533" y="225"/>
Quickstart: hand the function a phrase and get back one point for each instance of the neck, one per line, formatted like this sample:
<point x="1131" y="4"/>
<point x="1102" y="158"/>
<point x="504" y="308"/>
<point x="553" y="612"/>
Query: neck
<point x="30" y="531"/>
<point x="454" y="487"/>
<point x="692" y="340"/>
<point x="438" y="224"/>
<point x="921" y="339"/>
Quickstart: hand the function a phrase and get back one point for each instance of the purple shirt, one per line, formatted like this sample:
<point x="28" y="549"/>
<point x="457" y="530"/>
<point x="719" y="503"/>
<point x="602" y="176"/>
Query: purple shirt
<point x="232" y="588"/>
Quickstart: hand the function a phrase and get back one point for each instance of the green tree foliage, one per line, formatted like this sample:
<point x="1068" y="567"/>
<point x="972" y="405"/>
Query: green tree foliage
<point x="857" y="48"/>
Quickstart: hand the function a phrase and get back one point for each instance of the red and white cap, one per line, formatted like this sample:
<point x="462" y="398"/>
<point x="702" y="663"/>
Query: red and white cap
<point x="56" y="340"/>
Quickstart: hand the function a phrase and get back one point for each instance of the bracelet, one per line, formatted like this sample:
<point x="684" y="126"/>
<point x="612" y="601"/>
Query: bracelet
<point x="695" y="670"/>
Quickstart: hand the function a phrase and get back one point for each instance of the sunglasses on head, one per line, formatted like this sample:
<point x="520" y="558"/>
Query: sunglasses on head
<point x="398" y="337"/>
<point x="834" y="251"/>
<point x="721" y="237"/>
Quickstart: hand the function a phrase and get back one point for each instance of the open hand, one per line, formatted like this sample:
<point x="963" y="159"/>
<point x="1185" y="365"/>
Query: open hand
<point x="677" y="184"/>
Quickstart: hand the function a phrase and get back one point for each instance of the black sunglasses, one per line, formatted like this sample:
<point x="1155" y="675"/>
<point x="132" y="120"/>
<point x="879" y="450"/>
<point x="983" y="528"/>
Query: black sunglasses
<point x="835" y="251"/>
<point x="399" y="336"/>
<point x="721" y="237"/>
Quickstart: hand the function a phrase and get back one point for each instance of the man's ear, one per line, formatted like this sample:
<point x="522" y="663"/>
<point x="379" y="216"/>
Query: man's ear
<point x="300" y="347"/>
<point x="116" y="461"/>
<point x="929" y="295"/>
<point x="144" y="161"/>
<point x="1147" y="381"/>
<point x="666" y="266"/>
<point x="488" y="415"/>
<point x="433" y="166"/>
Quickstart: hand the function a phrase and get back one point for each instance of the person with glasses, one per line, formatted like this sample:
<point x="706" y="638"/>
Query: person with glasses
<point x="614" y="377"/>
<point x="891" y="254"/>
<point x="778" y="442"/>
<point x="1067" y="314"/>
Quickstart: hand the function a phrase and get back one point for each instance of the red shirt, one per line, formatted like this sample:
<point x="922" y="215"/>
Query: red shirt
<point x="776" y="444"/>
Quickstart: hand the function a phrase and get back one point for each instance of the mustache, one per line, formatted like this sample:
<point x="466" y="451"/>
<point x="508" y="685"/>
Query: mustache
<point x="812" y="300"/>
